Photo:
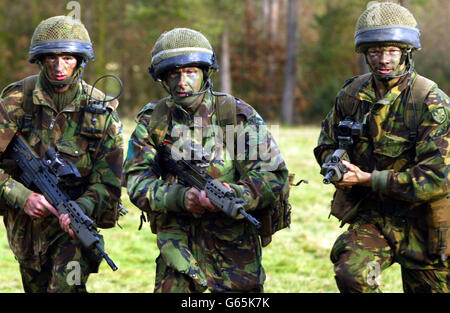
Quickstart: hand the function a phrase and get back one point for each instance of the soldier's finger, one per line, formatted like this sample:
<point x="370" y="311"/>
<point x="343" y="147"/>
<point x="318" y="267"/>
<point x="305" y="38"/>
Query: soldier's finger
<point x="206" y="203"/>
<point x="49" y="207"/>
<point x="350" y="166"/>
<point x="63" y="221"/>
<point x="72" y="234"/>
<point x="45" y="213"/>
<point x="37" y="213"/>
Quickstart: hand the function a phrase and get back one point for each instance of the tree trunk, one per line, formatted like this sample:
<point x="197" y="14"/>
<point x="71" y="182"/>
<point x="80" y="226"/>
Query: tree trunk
<point x="225" y="71"/>
<point x="272" y="38"/>
<point x="290" y="74"/>
<point x="100" y="61"/>
<point x="404" y="3"/>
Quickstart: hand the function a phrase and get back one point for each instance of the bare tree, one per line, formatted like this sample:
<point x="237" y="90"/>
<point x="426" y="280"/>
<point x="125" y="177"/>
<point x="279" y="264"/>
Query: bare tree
<point x="272" y="44"/>
<point x="225" y="71"/>
<point x="290" y="76"/>
<point x="404" y="3"/>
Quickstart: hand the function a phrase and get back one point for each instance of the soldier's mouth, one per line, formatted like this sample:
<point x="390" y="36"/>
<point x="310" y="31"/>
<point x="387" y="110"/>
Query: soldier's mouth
<point x="384" y="71"/>
<point x="59" y="77"/>
<point x="182" y="94"/>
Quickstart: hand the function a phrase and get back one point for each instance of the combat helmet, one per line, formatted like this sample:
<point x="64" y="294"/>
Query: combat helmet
<point x="61" y="34"/>
<point x="181" y="47"/>
<point x="386" y="23"/>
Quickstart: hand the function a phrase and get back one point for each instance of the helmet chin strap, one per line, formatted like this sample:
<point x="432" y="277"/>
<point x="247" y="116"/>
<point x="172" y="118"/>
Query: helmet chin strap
<point x="406" y="56"/>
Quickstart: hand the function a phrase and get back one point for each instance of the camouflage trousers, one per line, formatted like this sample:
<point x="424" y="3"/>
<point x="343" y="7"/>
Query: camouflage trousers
<point x="196" y="259"/>
<point x="362" y="253"/>
<point x="66" y="268"/>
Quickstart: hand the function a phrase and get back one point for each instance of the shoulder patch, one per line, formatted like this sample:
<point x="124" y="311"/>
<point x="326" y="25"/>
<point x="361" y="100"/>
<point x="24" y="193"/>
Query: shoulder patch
<point x="439" y="115"/>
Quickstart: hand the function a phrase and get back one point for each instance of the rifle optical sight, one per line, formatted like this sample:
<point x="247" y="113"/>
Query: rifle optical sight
<point x="350" y="128"/>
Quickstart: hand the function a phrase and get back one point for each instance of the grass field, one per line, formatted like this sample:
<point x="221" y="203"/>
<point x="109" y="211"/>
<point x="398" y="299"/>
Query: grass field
<point x="297" y="260"/>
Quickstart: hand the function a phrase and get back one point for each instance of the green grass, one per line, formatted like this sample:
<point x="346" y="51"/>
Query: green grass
<point x="297" y="260"/>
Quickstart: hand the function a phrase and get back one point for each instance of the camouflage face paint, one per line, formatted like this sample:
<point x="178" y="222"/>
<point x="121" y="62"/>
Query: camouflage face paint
<point x="184" y="81"/>
<point x="385" y="60"/>
<point x="60" y="66"/>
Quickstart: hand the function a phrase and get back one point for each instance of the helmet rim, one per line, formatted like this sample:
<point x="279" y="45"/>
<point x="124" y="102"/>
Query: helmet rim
<point x="70" y="46"/>
<point x="402" y="34"/>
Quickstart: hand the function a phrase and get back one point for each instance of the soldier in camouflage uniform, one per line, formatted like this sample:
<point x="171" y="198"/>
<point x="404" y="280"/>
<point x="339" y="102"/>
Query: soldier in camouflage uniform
<point x="50" y="111"/>
<point x="200" y="247"/>
<point x="398" y="174"/>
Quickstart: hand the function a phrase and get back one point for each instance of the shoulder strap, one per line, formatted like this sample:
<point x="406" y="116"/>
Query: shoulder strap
<point x="226" y="115"/>
<point x="355" y="84"/>
<point x="225" y="109"/>
<point x="29" y="84"/>
<point x="421" y="87"/>
<point x="350" y="93"/>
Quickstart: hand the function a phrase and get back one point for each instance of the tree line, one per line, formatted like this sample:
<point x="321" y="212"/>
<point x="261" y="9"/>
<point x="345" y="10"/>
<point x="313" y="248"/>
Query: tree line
<point x="287" y="58"/>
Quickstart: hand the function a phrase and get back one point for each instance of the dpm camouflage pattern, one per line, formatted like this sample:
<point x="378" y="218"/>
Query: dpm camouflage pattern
<point x="405" y="178"/>
<point x="362" y="253"/>
<point x="97" y="190"/>
<point x="67" y="268"/>
<point x="213" y="250"/>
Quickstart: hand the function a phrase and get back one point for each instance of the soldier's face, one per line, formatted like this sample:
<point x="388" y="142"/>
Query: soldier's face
<point x="60" y="66"/>
<point x="385" y="60"/>
<point x="184" y="81"/>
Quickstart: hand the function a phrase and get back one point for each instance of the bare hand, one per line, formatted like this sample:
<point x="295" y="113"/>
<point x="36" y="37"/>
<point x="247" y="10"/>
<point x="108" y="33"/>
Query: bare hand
<point x="38" y="207"/>
<point x="354" y="176"/>
<point x="191" y="201"/>
<point x="196" y="201"/>
<point x="64" y="222"/>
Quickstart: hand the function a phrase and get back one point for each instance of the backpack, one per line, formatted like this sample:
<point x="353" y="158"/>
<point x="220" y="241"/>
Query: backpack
<point x="93" y="131"/>
<point x="275" y="216"/>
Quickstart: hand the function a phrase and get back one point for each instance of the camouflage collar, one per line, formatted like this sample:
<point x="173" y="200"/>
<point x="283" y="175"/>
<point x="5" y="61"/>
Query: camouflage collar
<point x="367" y="91"/>
<point x="41" y="97"/>
<point x="203" y="111"/>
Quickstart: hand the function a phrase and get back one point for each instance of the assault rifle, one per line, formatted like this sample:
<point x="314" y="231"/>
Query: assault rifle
<point x="47" y="176"/>
<point x="191" y="175"/>
<point x="334" y="170"/>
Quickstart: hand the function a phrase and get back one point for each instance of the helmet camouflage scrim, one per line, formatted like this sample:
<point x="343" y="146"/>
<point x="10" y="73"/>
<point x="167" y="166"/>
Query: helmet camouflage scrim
<point x="181" y="47"/>
<point x="61" y="34"/>
<point x="385" y="24"/>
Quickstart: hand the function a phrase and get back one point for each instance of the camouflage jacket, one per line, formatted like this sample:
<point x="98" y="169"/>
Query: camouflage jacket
<point x="255" y="180"/>
<point x="407" y="174"/>
<point x="400" y="170"/>
<point x="97" y="190"/>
